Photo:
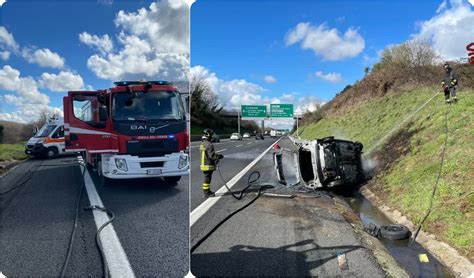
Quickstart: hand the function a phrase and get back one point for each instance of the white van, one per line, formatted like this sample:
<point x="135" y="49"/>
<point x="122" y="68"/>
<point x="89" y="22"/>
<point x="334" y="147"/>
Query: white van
<point x="49" y="141"/>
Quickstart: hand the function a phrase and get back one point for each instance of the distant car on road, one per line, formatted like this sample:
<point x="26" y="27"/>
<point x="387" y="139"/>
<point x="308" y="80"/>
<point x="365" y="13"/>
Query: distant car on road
<point x="215" y="138"/>
<point x="235" y="136"/>
<point x="259" y="136"/>
<point x="246" y="135"/>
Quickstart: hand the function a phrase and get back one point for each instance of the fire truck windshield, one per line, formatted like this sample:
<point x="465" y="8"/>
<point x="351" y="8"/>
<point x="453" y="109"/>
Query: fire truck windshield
<point x="45" y="130"/>
<point x="153" y="105"/>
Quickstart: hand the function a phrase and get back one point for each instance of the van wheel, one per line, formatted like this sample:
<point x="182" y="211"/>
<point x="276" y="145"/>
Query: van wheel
<point x="172" y="180"/>
<point x="51" y="152"/>
<point x="394" y="232"/>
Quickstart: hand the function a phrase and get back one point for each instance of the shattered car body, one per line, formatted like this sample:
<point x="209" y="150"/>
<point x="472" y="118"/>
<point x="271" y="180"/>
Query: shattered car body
<point x="330" y="162"/>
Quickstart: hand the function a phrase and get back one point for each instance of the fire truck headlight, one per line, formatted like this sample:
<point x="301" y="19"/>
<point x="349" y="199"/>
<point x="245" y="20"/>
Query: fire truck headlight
<point x="183" y="161"/>
<point x="121" y="164"/>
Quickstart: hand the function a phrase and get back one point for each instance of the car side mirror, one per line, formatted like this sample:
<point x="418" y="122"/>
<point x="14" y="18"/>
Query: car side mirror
<point x="103" y="115"/>
<point x="35" y="130"/>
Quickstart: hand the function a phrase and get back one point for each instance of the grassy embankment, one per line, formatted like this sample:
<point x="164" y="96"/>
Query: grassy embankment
<point x="12" y="151"/>
<point x="409" y="160"/>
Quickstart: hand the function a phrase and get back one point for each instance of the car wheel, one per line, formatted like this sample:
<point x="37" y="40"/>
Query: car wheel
<point x="51" y="152"/>
<point x="394" y="232"/>
<point x="172" y="180"/>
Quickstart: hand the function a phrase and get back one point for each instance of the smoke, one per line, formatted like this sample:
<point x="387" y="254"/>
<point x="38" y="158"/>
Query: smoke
<point x="369" y="165"/>
<point x="340" y="134"/>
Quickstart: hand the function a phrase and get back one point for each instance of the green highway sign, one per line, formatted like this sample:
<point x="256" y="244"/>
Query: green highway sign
<point x="281" y="110"/>
<point x="254" y="111"/>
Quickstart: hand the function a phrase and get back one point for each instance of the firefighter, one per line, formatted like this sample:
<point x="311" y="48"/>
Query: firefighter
<point x="209" y="160"/>
<point x="449" y="84"/>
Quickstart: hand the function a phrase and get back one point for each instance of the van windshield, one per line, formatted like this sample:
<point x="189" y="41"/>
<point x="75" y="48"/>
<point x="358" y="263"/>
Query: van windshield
<point x="156" y="105"/>
<point x="45" y="130"/>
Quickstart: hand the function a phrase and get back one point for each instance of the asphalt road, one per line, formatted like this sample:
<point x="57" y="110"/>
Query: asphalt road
<point x="237" y="155"/>
<point x="301" y="236"/>
<point x="36" y="221"/>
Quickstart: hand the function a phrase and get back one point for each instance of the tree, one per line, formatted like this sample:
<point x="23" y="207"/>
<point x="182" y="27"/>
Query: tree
<point x="366" y="70"/>
<point x="1" y="133"/>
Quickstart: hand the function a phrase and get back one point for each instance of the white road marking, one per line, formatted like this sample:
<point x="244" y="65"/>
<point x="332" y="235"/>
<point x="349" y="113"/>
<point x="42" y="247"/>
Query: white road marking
<point x="249" y="143"/>
<point x="238" y="146"/>
<point x="115" y="256"/>
<point x="205" y="206"/>
<point x="221" y="150"/>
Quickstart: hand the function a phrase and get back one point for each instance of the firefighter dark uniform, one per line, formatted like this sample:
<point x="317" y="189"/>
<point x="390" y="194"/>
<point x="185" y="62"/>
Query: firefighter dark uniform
<point x="450" y="81"/>
<point x="209" y="160"/>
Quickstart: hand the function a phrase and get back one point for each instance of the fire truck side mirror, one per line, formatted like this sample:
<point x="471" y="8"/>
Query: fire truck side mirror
<point x="103" y="115"/>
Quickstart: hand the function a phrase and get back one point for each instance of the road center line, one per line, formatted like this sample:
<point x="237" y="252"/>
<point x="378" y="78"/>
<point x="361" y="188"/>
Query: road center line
<point x="238" y="146"/>
<point x="249" y="143"/>
<point x="205" y="206"/>
<point x="221" y="150"/>
<point x="115" y="256"/>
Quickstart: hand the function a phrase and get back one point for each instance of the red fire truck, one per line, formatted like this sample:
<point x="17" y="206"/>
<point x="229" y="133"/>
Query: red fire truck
<point x="136" y="129"/>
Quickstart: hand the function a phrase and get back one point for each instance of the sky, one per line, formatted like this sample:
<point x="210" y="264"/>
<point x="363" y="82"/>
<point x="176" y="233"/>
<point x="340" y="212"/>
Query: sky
<point x="250" y="52"/>
<point x="261" y="52"/>
<point x="50" y="47"/>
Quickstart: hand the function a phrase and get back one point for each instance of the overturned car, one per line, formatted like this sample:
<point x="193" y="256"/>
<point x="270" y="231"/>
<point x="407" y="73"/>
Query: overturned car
<point x="330" y="163"/>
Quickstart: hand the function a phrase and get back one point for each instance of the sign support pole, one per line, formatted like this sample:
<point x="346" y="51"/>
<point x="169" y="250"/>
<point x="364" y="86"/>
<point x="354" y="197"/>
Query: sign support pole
<point x="238" y="122"/>
<point x="297" y="131"/>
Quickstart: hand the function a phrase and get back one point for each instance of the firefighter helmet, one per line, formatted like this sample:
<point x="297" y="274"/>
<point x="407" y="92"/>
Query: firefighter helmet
<point x="208" y="133"/>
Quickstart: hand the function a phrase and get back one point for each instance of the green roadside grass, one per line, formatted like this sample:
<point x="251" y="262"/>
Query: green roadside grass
<point x="12" y="151"/>
<point x="408" y="182"/>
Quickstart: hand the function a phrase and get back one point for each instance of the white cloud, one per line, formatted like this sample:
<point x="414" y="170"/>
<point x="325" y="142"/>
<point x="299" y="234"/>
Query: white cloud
<point x="43" y="57"/>
<point x="332" y="77"/>
<point x="103" y="44"/>
<point x="165" y="25"/>
<point x="230" y="93"/>
<point x="27" y="99"/>
<point x="25" y="87"/>
<point x="450" y="30"/>
<point x="29" y="112"/>
<point x="7" y="40"/>
<point x="471" y="2"/>
<point x="269" y="79"/>
<point x="325" y="42"/>
<point x="62" y="82"/>
<point x="4" y="55"/>
<point x="153" y="44"/>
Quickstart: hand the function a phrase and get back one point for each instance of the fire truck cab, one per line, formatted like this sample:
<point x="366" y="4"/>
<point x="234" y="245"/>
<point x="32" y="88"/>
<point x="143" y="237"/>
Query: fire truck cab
<point x="136" y="129"/>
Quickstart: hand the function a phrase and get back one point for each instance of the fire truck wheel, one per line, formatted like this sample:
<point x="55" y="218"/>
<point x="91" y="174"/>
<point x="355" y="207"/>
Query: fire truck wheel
<point x="172" y="180"/>
<point x="103" y="179"/>
<point x="51" y="152"/>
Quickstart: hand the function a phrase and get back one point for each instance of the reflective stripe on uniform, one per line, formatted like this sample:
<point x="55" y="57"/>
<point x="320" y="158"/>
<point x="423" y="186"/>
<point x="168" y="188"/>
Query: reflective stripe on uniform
<point x="205" y="167"/>
<point x="205" y="186"/>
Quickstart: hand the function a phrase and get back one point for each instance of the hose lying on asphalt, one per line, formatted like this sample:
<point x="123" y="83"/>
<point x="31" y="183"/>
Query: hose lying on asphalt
<point x="74" y="227"/>
<point x="242" y="192"/>
<point x="111" y="215"/>
<point x="31" y="174"/>
<point x="250" y="182"/>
